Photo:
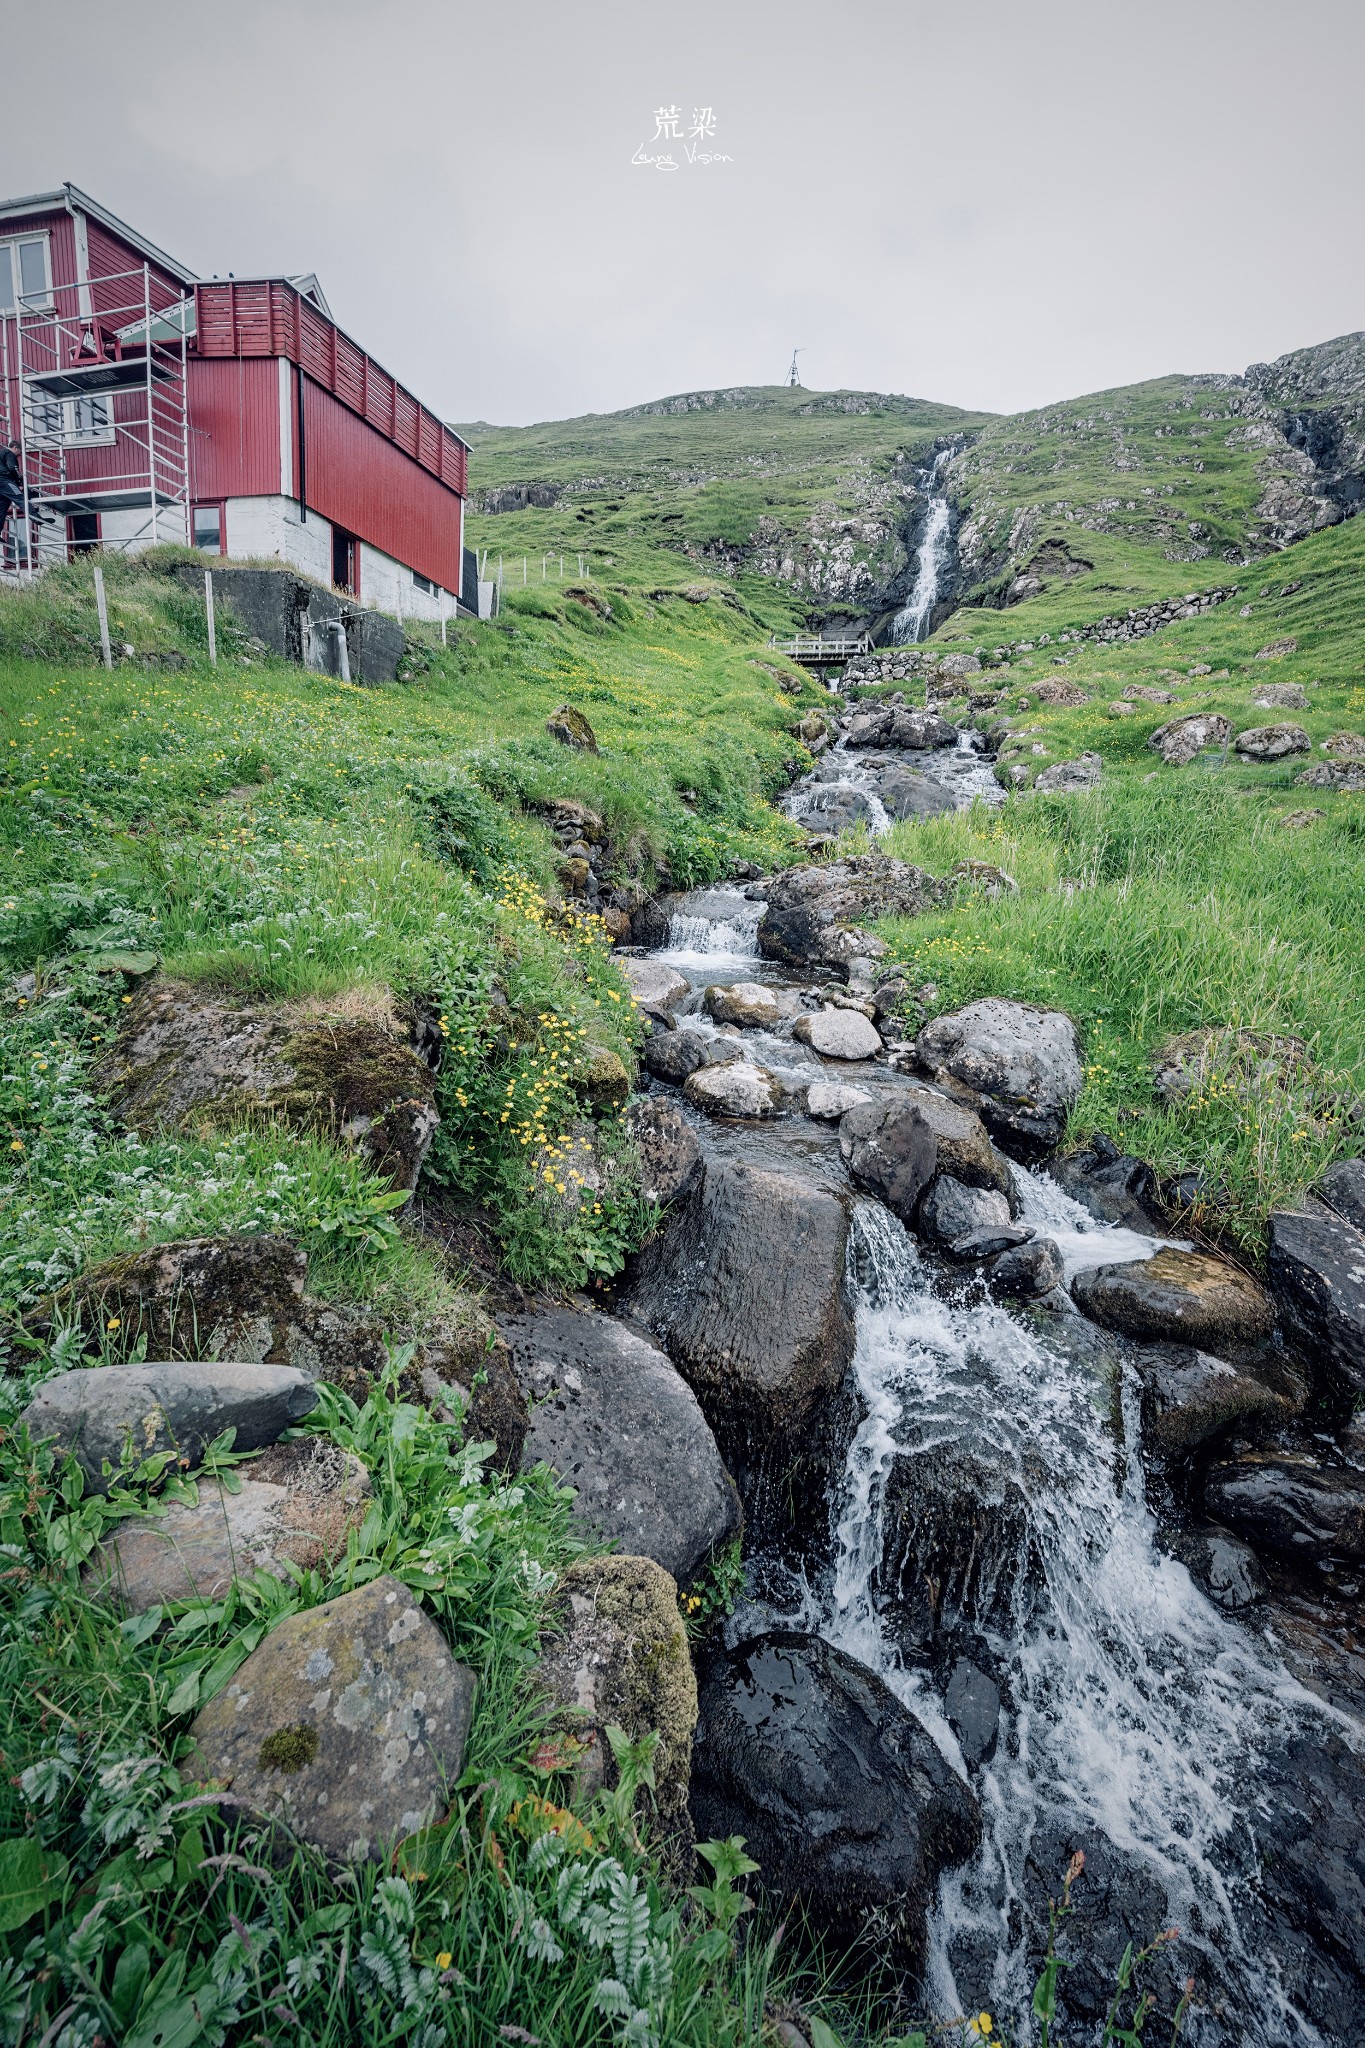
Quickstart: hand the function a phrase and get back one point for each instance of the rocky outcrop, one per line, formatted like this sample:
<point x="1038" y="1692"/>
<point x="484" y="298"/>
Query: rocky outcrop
<point x="1185" y="1297"/>
<point x="120" y="1414"/>
<point x="614" y="1654"/>
<point x="571" y="729"/>
<point x="185" y="1054"/>
<point x="1316" y="1267"/>
<point x="1346" y="776"/>
<point x="294" y="1507"/>
<point x="620" y="1425"/>
<point x="348" y="1724"/>
<point x="1190" y="1400"/>
<point x="1291" y="1506"/>
<point x="890" y="1149"/>
<point x="1343" y="1186"/>
<point x="890" y="726"/>
<point x="745" y="1287"/>
<point x="813" y="914"/>
<point x="1250" y="1061"/>
<point x="1066" y="776"/>
<point x="198" y="1297"/>
<point x="1179" y="741"/>
<point x="842" y="1798"/>
<point x="1020" y="1064"/>
<point x="672" y="1055"/>
<point x="667" y="1148"/>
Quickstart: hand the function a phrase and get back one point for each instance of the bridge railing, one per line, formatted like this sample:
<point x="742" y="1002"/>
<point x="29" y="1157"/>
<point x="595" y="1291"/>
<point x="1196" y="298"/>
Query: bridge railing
<point x="816" y="650"/>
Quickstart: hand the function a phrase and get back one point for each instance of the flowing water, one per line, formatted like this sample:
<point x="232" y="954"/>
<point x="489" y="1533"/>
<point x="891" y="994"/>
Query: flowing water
<point x="912" y="620"/>
<point x="1135" y="1712"/>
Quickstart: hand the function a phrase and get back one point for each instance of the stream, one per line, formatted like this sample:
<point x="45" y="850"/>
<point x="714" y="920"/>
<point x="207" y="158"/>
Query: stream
<point x="1137" y="1720"/>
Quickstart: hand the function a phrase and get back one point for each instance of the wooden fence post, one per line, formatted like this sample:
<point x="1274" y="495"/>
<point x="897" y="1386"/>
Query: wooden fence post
<point x="103" y="610"/>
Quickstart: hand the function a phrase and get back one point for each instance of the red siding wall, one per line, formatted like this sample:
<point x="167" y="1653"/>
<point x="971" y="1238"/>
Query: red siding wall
<point x="271" y="319"/>
<point x="234" y="428"/>
<point x="359" y="480"/>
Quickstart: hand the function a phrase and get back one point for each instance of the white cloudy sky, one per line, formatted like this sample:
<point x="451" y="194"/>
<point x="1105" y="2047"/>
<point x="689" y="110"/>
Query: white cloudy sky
<point x="977" y="201"/>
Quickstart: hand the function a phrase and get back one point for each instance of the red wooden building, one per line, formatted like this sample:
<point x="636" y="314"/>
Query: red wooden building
<point x="149" y="404"/>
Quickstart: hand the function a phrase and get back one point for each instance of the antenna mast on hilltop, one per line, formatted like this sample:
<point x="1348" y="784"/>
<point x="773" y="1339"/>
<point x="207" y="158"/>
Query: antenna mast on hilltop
<point x="793" y="378"/>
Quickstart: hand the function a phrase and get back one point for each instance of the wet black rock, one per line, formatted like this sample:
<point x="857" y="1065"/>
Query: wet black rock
<point x="890" y="1149"/>
<point x="1190" y="1399"/>
<point x="1027" y="1272"/>
<point x="907" y="795"/>
<point x="1316" y="1266"/>
<point x="672" y="1055"/>
<point x="892" y="726"/>
<point x="990" y="1241"/>
<point x="618" y="1423"/>
<point x="813" y="914"/>
<point x="840" y="1793"/>
<point x="1114" y="1186"/>
<point x="1312" y="1878"/>
<point x="1343" y="1185"/>
<point x="1227" y="1569"/>
<point x="1118" y="1899"/>
<point x="746" y="1288"/>
<point x="972" y="1705"/>
<point x="1291" y="1505"/>
<point x="949" y="1210"/>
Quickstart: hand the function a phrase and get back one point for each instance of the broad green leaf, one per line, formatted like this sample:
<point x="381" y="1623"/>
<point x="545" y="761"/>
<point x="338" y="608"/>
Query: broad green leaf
<point x="30" y="1876"/>
<point x="130" y="1980"/>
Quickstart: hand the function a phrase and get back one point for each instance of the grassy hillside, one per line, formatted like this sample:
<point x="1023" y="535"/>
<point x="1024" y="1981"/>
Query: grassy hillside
<point x="1174" y="899"/>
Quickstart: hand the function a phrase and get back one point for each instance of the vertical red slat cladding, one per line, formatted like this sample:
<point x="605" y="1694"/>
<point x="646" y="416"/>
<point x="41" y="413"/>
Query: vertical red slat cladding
<point x="350" y="375"/>
<point x="234" y="427"/>
<point x="358" y="479"/>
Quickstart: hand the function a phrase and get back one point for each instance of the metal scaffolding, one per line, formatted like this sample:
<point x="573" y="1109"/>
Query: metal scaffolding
<point x="93" y="389"/>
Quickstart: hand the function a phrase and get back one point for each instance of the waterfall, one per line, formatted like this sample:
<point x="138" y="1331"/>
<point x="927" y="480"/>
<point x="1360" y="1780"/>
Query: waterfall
<point x="713" y="925"/>
<point x="1135" y="1709"/>
<point x="912" y="620"/>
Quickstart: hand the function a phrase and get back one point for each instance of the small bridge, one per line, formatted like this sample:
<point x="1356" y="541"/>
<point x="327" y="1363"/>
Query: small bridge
<point x="816" y="653"/>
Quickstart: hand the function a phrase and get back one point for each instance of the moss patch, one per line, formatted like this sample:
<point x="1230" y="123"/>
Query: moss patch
<point x="290" y="1750"/>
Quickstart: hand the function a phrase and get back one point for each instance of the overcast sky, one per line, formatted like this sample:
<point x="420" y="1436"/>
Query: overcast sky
<point x="977" y="201"/>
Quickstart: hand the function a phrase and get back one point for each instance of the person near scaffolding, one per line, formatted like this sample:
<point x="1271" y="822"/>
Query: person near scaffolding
<point x="11" y="485"/>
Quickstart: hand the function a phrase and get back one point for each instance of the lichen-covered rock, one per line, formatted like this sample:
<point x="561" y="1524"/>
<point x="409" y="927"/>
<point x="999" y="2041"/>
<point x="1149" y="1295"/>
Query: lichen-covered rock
<point x="654" y="985"/>
<point x="890" y="1149"/>
<point x="1186" y="1297"/>
<point x="746" y="1289"/>
<point x="1021" y="1063"/>
<point x="615" y="1654"/>
<point x="813" y="914"/>
<point x="294" y="1506"/>
<point x="186" y="1053"/>
<point x="121" y="1413"/>
<point x="616" y="1420"/>
<point x="734" y="1088"/>
<point x="828" y="1101"/>
<point x="1346" y="775"/>
<point x="348" y="1723"/>
<point x="1082" y="773"/>
<point x="1281" y="697"/>
<point x="1182" y="738"/>
<point x="672" y="1055"/>
<point x="1272" y="742"/>
<point x="571" y="729"/>
<point x="666" y="1146"/>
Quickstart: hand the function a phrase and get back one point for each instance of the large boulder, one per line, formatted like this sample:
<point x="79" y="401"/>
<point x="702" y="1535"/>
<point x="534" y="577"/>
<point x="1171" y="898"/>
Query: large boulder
<point x="746" y="1003"/>
<point x="1182" y="738"/>
<point x="621" y="1426"/>
<point x="614" y="1654"/>
<point x="1065" y="776"/>
<point x="813" y="914"/>
<point x="828" y="1101"/>
<point x="571" y="729"/>
<point x="1272" y="742"/>
<point x="964" y="1148"/>
<point x="1291" y="1505"/>
<point x="1317" y="1275"/>
<point x="841" y="1796"/>
<point x="348" y="1723"/>
<point x="1021" y="1064"/>
<point x="950" y="1210"/>
<point x="666" y="1146"/>
<point x="906" y="795"/>
<point x="1343" y="1186"/>
<point x="294" y="1507"/>
<point x="734" y="1088"/>
<point x="746" y="1288"/>
<point x="894" y="726"/>
<point x="1190" y="1399"/>
<point x="188" y="1053"/>
<point x="890" y="1149"/>
<point x="1347" y="776"/>
<point x="1185" y="1297"/>
<point x="120" y="1414"/>
<point x="838" y="1034"/>
<point x="1116" y="1187"/>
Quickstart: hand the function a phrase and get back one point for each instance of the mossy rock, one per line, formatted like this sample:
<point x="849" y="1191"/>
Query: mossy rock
<point x="604" y="1084"/>
<point x="185" y="1054"/>
<point x="620" y="1658"/>
<point x="571" y="729"/>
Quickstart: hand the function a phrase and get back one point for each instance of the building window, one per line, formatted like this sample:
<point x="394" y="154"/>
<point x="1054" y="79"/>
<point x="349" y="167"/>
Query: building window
<point x="68" y="422"/>
<point x="25" y="274"/>
<point x="82" y="532"/>
<point x="208" y="528"/>
<point x="421" y="582"/>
